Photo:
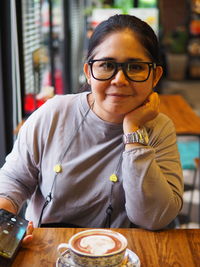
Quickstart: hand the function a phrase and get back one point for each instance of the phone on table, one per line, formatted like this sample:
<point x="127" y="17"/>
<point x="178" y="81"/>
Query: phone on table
<point x="12" y="230"/>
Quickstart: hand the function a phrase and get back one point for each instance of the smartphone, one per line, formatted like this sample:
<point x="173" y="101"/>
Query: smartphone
<point x="12" y="231"/>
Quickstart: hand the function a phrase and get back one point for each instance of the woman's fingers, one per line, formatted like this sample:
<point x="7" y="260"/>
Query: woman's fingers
<point x="154" y="102"/>
<point x="30" y="228"/>
<point x="139" y="116"/>
<point x="29" y="234"/>
<point x="27" y="240"/>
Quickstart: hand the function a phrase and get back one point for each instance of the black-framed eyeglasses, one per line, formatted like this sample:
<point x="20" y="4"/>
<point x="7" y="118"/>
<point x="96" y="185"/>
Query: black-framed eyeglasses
<point x="103" y="69"/>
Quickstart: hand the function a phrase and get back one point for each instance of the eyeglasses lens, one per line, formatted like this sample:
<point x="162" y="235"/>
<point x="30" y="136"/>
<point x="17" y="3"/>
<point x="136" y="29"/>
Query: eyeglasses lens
<point x="103" y="69"/>
<point x="135" y="71"/>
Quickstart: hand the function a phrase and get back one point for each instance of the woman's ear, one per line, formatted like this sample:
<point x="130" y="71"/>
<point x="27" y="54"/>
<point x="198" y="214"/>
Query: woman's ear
<point x="86" y="70"/>
<point x="157" y="74"/>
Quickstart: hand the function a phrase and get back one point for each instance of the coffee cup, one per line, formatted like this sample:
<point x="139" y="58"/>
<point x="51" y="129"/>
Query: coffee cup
<point x="95" y="247"/>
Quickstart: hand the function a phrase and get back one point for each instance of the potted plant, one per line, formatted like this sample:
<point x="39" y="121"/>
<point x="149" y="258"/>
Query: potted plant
<point x="176" y="53"/>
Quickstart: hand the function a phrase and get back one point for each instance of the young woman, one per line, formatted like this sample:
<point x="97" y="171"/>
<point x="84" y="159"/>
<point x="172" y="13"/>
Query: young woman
<point x="103" y="158"/>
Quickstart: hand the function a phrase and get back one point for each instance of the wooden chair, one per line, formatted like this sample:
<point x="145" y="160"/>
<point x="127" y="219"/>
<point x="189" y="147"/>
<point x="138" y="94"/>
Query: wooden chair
<point x="189" y="160"/>
<point x="197" y="167"/>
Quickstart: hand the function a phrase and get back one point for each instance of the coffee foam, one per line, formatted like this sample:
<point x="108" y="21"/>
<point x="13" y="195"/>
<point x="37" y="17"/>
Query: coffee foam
<point x="97" y="244"/>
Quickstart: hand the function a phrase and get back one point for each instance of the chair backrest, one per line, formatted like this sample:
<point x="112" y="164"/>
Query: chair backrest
<point x="189" y="150"/>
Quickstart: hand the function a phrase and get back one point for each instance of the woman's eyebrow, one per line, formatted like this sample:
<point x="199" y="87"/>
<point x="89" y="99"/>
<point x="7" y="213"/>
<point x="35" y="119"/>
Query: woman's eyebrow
<point x="128" y="59"/>
<point x="106" y="58"/>
<point x="135" y="59"/>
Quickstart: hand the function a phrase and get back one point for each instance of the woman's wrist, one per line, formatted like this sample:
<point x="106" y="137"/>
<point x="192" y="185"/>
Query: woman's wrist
<point x="131" y="129"/>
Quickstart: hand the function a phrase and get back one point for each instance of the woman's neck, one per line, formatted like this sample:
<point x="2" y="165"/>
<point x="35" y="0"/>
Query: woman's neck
<point x="108" y="117"/>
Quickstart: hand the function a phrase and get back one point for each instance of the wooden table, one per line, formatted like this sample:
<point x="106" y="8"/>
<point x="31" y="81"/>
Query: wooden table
<point x="180" y="247"/>
<point x="184" y="118"/>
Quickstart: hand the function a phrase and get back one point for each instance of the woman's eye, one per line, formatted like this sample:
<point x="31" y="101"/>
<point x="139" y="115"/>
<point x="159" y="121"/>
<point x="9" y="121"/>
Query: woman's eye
<point x="135" y="67"/>
<point x="106" y="65"/>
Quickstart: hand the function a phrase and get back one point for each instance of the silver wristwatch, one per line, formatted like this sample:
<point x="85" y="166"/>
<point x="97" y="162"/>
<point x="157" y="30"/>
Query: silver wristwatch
<point x="140" y="136"/>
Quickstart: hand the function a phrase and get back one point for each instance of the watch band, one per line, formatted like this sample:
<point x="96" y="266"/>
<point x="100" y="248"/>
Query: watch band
<point x="140" y="136"/>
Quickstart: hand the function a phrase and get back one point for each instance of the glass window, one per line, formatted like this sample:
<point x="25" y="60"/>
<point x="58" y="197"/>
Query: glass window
<point x="41" y="27"/>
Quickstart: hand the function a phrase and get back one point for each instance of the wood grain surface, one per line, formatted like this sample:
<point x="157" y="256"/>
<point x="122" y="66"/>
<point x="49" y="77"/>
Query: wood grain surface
<point x="184" y="118"/>
<point x="177" y="247"/>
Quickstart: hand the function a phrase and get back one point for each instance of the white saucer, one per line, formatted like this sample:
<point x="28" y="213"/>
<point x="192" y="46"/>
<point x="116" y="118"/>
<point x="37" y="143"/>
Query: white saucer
<point x="133" y="260"/>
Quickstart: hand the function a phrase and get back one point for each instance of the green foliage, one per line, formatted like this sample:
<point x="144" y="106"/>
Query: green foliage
<point x="176" y="41"/>
<point x="124" y="5"/>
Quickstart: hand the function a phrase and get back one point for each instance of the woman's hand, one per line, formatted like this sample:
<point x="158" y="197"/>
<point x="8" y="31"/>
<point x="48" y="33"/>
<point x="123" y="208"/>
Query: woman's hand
<point x="8" y="205"/>
<point x="138" y="117"/>
<point x="29" y="234"/>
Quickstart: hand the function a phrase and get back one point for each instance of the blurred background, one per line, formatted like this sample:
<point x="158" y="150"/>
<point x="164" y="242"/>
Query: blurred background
<point x="43" y="45"/>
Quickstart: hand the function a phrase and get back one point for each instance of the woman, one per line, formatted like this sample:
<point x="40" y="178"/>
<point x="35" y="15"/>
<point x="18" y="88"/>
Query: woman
<point x="105" y="158"/>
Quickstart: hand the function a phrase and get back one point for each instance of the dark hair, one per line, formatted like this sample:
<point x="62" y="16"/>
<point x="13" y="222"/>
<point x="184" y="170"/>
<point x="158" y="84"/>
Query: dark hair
<point x="118" y="23"/>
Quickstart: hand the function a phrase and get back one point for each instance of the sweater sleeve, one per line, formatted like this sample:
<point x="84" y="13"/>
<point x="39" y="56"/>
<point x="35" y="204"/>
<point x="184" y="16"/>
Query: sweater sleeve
<point x="152" y="178"/>
<point x="20" y="174"/>
<point x="24" y="168"/>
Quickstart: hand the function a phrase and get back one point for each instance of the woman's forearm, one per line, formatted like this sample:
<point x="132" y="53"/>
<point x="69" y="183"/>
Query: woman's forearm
<point x="7" y="205"/>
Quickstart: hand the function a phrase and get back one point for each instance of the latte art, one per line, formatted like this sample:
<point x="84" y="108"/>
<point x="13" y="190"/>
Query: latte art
<point x="95" y="247"/>
<point x="97" y="244"/>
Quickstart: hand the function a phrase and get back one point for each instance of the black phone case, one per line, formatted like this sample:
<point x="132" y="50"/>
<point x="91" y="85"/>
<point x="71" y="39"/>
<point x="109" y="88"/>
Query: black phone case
<point x="12" y="231"/>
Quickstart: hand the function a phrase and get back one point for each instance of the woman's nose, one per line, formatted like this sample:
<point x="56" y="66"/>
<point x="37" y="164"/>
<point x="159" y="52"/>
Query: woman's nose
<point x="119" y="78"/>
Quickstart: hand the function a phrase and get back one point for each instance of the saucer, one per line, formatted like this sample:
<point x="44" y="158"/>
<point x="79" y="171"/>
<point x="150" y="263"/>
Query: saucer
<point x="133" y="260"/>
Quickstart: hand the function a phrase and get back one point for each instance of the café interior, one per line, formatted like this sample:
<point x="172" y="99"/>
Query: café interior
<point x="42" y="49"/>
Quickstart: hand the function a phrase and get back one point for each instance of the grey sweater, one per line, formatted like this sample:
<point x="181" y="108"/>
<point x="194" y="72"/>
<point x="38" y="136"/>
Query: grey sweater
<point x="64" y="131"/>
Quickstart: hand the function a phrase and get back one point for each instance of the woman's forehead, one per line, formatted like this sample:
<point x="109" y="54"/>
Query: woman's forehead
<point x="123" y="44"/>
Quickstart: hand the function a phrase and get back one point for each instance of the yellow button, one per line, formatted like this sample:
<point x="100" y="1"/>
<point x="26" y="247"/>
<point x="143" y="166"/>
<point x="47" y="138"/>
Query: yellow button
<point x="113" y="178"/>
<point x="57" y="168"/>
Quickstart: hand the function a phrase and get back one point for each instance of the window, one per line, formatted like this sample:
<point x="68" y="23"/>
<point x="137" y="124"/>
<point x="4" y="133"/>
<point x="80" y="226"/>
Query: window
<point x="41" y="30"/>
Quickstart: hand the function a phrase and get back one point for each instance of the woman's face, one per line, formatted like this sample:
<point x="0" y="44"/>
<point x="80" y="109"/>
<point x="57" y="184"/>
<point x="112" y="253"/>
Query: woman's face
<point x="116" y="97"/>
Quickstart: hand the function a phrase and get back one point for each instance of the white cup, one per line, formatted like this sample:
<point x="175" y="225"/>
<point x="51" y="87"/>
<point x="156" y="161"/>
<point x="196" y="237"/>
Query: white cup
<point x="96" y="247"/>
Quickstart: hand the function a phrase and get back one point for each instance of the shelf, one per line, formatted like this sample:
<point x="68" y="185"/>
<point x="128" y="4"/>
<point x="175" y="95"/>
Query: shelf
<point x="193" y="69"/>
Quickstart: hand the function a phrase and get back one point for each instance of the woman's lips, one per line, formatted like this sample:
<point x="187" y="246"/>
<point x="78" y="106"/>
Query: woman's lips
<point x="118" y="96"/>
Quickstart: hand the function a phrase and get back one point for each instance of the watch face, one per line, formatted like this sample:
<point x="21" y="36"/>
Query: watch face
<point x="146" y="138"/>
<point x="140" y="136"/>
<point x="145" y="135"/>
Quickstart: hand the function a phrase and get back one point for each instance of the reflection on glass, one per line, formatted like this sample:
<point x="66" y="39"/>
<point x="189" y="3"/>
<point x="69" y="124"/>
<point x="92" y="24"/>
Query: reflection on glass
<point x="42" y="62"/>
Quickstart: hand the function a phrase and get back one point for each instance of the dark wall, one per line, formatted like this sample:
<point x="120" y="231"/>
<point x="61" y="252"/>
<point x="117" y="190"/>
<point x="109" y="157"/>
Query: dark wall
<point x="173" y="13"/>
<point x="2" y="120"/>
<point x="6" y="123"/>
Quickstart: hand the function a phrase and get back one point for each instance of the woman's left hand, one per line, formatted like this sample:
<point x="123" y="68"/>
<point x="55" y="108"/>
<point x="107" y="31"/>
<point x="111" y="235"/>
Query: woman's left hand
<point x="29" y="235"/>
<point x="139" y="116"/>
